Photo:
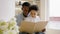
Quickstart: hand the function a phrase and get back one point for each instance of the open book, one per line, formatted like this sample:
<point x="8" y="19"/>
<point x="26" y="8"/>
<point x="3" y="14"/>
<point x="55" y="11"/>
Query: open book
<point x="31" y="27"/>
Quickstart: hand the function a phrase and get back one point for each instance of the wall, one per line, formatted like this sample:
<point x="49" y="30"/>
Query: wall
<point x="7" y="9"/>
<point x="44" y="10"/>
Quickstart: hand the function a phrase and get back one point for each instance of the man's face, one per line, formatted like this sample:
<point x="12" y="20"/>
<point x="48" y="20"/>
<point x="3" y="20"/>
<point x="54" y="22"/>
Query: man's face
<point x="25" y="10"/>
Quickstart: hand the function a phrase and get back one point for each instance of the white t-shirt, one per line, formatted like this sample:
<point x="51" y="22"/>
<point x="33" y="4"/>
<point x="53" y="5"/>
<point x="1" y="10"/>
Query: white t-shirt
<point x="31" y="19"/>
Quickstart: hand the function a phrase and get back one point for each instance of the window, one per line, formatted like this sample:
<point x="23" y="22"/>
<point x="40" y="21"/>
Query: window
<point x="54" y="8"/>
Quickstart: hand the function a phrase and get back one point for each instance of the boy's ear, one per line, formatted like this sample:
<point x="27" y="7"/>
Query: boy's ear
<point x="37" y="14"/>
<point x="22" y="8"/>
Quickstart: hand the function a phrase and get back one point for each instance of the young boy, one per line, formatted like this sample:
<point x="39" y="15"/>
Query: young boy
<point x="33" y="15"/>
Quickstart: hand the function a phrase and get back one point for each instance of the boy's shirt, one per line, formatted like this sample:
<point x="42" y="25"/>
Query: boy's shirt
<point x="31" y="19"/>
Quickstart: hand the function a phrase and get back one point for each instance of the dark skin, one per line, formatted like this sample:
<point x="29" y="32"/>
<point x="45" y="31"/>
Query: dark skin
<point x="25" y="10"/>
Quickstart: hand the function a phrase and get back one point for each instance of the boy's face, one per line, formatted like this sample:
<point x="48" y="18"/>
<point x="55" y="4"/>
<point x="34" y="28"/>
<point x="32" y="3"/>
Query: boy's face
<point x="33" y="13"/>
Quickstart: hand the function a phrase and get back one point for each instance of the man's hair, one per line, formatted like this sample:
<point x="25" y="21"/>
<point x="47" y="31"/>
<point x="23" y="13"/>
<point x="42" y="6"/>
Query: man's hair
<point x="33" y="7"/>
<point x="26" y="4"/>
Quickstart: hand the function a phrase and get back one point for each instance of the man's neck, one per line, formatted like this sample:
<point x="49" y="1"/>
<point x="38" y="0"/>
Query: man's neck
<point x="24" y="15"/>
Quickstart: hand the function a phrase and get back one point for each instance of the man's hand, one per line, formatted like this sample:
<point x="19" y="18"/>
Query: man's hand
<point x="43" y="30"/>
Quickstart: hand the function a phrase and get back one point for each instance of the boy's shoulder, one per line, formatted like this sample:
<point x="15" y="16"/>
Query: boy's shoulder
<point x="37" y="17"/>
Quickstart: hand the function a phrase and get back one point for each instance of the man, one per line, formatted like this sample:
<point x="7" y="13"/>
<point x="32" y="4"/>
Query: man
<point x="24" y="14"/>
